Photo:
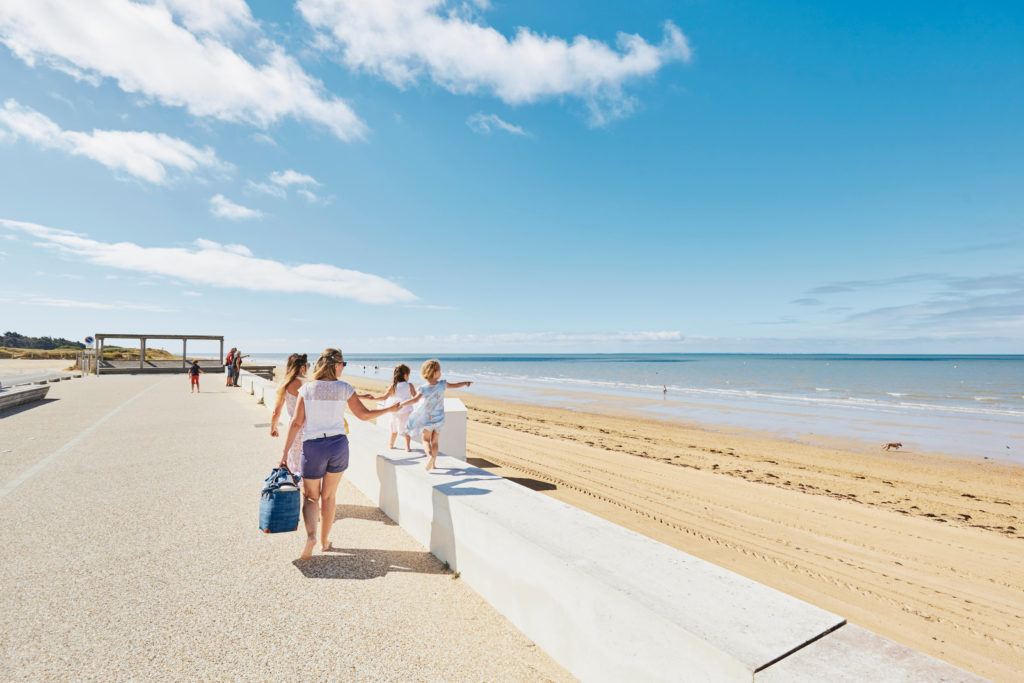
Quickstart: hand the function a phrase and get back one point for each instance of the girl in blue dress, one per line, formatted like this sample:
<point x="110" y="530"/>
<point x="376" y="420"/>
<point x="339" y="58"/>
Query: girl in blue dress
<point x="428" y="417"/>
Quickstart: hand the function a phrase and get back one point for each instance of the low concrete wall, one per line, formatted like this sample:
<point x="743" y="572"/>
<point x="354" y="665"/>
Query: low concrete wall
<point x="607" y="603"/>
<point x="21" y="395"/>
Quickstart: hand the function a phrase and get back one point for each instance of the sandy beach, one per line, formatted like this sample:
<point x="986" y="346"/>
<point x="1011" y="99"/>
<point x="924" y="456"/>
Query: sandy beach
<point x="922" y="548"/>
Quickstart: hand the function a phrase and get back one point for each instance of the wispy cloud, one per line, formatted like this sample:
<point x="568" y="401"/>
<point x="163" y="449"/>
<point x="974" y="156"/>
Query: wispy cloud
<point x="936" y="304"/>
<point x="147" y="156"/>
<point x="222" y="207"/>
<point x="485" y="123"/>
<point x="807" y="302"/>
<point x="280" y="181"/>
<point x="291" y="177"/>
<point x="447" y="41"/>
<point x="210" y="263"/>
<point x="178" y="53"/>
<point x="550" y="338"/>
<point x="98" y="305"/>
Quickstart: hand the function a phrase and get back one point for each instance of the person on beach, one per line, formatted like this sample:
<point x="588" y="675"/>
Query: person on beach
<point x="237" y="366"/>
<point x="287" y="397"/>
<point x="193" y="373"/>
<point x="319" y="420"/>
<point x="229" y="365"/>
<point x="428" y="416"/>
<point x="400" y="390"/>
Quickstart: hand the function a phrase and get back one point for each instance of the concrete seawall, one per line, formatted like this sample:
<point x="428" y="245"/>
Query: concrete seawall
<point x="605" y="602"/>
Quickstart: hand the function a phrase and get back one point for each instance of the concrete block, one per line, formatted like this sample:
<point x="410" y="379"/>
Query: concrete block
<point x="18" y="396"/>
<point x="853" y="654"/>
<point x="605" y="602"/>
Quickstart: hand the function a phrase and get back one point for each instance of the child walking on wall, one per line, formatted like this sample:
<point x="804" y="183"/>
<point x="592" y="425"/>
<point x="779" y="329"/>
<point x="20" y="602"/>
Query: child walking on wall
<point x="401" y="390"/>
<point x="428" y="416"/>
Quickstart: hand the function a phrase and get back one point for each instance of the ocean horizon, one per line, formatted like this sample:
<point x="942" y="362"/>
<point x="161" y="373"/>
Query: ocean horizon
<point x="969" y="405"/>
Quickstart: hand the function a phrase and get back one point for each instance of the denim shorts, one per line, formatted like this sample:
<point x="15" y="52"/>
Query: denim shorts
<point x="319" y="456"/>
<point x="230" y="371"/>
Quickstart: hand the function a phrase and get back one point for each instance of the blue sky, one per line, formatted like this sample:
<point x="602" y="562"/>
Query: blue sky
<point x="431" y="176"/>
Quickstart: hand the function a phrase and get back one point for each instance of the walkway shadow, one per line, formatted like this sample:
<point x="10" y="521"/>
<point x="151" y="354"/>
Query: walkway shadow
<point x="361" y="563"/>
<point x="533" y="484"/>
<point x="480" y="462"/>
<point x="367" y="512"/>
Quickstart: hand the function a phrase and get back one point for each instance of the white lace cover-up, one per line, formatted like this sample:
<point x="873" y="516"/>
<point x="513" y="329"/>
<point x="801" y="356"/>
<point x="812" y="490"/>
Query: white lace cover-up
<point x="295" y="454"/>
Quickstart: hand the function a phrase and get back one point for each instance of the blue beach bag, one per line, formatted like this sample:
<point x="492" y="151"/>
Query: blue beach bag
<point x="280" y="502"/>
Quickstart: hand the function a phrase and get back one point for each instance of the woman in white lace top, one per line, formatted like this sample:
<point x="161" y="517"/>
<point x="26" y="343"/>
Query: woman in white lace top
<point x="319" y="420"/>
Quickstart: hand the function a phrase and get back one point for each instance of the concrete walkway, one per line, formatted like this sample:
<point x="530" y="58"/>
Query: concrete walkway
<point x="131" y="550"/>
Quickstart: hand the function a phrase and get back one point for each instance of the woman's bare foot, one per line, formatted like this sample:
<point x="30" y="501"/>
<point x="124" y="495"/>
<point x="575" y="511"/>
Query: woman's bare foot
<point x="307" y="552"/>
<point x="326" y="546"/>
<point x="430" y="463"/>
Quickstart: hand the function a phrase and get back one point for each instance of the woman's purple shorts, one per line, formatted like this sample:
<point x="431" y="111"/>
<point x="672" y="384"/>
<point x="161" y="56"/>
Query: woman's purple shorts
<point x="327" y="454"/>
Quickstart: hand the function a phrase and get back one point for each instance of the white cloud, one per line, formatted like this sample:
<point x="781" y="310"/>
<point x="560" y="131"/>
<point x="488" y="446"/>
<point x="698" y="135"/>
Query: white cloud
<point x="552" y="338"/>
<point x="215" y="17"/>
<point x="290" y="177"/>
<point x="483" y="123"/>
<point x="147" y="156"/>
<point x="71" y="303"/>
<point x="142" y="48"/>
<point x="213" y="264"/>
<point x="222" y="207"/>
<point x="264" y="138"/>
<point x="401" y="40"/>
<point x="314" y="198"/>
<point x="280" y="181"/>
<point x="267" y="188"/>
<point x="191" y="293"/>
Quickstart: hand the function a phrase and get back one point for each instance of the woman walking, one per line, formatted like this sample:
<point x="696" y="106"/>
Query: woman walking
<point x="287" y="397"/>
<point x="319" y="421"/>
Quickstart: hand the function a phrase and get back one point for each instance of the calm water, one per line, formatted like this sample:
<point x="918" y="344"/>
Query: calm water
<point x="972" y="405"/>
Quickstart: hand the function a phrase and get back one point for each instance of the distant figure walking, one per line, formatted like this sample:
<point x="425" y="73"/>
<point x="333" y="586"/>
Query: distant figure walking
<point x="193" y="373"/>
<point x="229" y="365"/>
<point x="400" y="390"/>
<point x="664" y="391"/>
<point x="238" y="366"/>
<point x="319" y="420"/>
<point x="428" y="416"/>
<point x="287" y="397"/>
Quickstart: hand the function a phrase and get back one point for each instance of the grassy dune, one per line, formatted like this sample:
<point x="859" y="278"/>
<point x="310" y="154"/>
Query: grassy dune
<point x="109" y="353"/>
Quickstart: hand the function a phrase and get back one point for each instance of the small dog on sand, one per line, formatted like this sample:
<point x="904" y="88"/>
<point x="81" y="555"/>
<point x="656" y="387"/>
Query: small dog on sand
<point x="892" y="446"/>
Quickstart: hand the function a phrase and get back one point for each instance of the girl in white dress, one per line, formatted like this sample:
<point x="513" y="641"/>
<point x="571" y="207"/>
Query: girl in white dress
<point x="287" y="397"/>
<point x="399" y="391"/>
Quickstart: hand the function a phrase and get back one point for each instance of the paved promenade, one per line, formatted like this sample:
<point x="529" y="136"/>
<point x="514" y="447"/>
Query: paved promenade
<point x="131" y="551"/>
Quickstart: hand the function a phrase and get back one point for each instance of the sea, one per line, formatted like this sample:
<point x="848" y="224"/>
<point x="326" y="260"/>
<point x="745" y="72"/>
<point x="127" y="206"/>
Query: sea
<point x="956" y="404"/>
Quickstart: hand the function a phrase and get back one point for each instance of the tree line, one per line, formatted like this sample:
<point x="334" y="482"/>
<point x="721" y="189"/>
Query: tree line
<point x="20" y="341"/>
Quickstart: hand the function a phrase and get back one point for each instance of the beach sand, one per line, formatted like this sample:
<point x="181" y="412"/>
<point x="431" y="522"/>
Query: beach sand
<point x="925" y="549"/>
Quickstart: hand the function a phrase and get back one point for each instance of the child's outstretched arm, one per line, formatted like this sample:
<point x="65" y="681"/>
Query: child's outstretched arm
<point x="458" y="385"/>
<point x="371" y="397"/>
<point x="409" y="401"/>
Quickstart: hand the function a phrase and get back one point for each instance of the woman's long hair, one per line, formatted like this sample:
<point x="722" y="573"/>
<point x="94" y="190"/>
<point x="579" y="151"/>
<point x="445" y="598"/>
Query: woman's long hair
<point x="401" y="375"/>
<point x="324" y="368"/>
<point x="296" y="362"/>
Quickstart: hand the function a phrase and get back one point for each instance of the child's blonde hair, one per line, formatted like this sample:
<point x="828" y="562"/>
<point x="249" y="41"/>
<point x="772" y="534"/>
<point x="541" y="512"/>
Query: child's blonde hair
<point x="429" y="368"/>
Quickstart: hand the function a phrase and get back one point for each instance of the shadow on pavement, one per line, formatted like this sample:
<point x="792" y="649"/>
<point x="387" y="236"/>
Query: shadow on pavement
<point x="367" y="512"/>
<point x="361" y="563"/>
<point x="25" y="407"/>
